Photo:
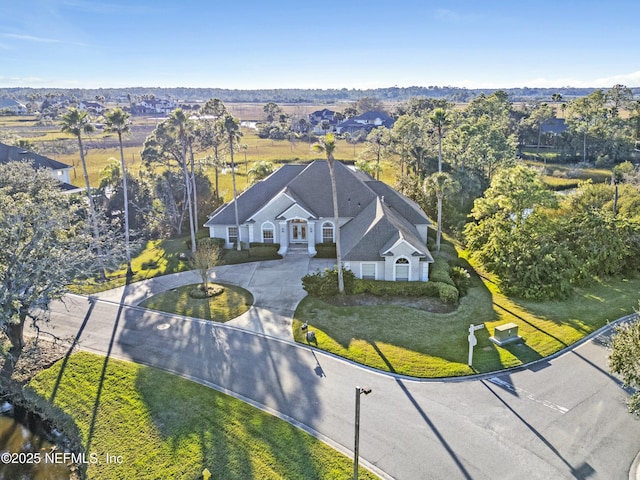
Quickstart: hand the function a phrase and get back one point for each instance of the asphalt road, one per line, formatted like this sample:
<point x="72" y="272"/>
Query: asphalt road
<point x="561" y="419"/>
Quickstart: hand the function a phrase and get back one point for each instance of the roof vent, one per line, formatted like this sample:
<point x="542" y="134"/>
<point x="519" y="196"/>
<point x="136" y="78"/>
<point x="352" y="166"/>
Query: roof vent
<point x="382" y="198"/>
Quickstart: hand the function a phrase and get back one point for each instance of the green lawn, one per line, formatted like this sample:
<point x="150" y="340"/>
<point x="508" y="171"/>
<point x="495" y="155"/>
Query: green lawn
<point x="155" y="258"/>
<point x="166" y="427"/>
<point x="231" y="303"/>
<point x="422" y="344"/>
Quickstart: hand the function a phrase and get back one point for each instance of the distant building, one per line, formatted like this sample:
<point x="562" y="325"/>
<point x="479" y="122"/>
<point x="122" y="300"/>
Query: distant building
<point x="154" y="106"/>
<point x="93" y="107"/>
<point x="12" y="105"/>
<point x="59" y="170"/>
<point x="367" y="122"/>
<point x="555" y="126"/>
<point x="322" y="118"/>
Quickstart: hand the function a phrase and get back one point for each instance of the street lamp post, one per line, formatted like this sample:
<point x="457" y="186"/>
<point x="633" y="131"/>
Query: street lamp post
<point x="366" y="391"/>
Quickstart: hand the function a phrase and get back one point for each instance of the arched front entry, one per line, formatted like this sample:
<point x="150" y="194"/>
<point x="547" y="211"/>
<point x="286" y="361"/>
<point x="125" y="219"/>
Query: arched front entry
<point x="298" y="231"/>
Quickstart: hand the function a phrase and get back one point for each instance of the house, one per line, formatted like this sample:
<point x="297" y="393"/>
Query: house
<point x="12" y="105"/>
<point x="155" y="105"/>
<point x="367" y="122"/>
<point x="383" y="234"/>
<point x="59" y="170"/>
<point x="555" y="126"/>
<point x="93" y="107"/>
<point x="322" y="118"/>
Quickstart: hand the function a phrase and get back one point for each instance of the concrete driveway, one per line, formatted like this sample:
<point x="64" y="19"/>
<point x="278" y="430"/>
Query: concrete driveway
<point x="274" y="284"/>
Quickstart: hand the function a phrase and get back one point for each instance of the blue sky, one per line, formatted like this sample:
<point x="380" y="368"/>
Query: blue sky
<point x="319" y="43"/>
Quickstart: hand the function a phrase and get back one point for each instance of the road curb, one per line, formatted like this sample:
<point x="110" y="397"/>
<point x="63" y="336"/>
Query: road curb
<point x="634" y="471"/>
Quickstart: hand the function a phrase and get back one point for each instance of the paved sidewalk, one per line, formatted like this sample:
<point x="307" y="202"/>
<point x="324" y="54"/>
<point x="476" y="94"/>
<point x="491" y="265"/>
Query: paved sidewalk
<point x="274" y="284"/>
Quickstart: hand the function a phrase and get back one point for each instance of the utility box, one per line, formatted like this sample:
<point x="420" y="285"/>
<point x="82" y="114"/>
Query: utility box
<point x="506" y="333"/>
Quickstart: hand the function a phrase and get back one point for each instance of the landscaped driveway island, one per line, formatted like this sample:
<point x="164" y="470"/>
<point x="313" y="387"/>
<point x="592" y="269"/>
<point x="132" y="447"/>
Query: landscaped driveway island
<point x="561" y="418"/>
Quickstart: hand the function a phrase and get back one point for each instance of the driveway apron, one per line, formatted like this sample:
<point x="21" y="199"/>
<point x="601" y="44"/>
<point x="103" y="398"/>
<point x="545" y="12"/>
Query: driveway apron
<point x="277" y="290"/>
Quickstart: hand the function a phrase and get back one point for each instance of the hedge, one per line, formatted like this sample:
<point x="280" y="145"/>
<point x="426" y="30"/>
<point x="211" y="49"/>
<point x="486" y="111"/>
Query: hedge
<point x="445" y="292"/>
<point x="440" y="271"/>
<point x="326" y="250"/>
<point x="264" y="250"/>
<point x="218" y="242"/>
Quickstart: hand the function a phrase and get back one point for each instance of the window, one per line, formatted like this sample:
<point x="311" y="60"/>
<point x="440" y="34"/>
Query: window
<point x="402" y="270"/>
<point x="327" y="232"/>
<point x="232" y="234"/>
<point x="267" y="233"/>
<point x="368" y="271"/>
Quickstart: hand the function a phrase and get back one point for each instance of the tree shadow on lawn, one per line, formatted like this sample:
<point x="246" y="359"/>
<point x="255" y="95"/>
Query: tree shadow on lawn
<point x="234" y="361"/>
<point x="235" y="440"/>
<point x="369" y="334"/>
<point x="231" y="303"/>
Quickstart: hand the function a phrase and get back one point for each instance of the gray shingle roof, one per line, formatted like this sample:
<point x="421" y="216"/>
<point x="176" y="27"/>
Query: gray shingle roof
<point x="313" y="187"/>
<point x="404" y="205"/>
<point x="377" y="229"/>
<point x="9" y="153"/>
<point x="554" y="125"/>
<point x="255" y="197"/>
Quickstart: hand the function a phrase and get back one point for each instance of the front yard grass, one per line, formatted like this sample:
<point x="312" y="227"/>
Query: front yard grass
<point x="234" y="301"/>
<point x="432" y="345"/>
<point x="163" y="426"/>
<point x="156" y="258"/>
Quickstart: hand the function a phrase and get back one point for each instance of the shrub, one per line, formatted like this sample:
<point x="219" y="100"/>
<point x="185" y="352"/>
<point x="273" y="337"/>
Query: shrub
<point x="264" y="250"/>
<point x="326" y="250"/>
<point x="262" y="244"/>
<point x="325" y="284"/>
<point x="440" y="271"/>
<point x="200" y="293"/>
<point x="445" y="292"/>
<point x="461" y="278"/>
<point x="219" y="242"/>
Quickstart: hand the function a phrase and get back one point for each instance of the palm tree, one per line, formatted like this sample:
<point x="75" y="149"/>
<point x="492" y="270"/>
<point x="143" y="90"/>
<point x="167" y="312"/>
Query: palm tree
<point x="76" y="122"/>
<point x="260" y="170"/>
<point x="232" y="130"/>
<point x="327" y="144"/>
<point x="377" y="143"/>
<point x="439" y="119"/>
<point x="117" y="121"/>
<point x="442" y="184"/>
<point x="182" y="127"/>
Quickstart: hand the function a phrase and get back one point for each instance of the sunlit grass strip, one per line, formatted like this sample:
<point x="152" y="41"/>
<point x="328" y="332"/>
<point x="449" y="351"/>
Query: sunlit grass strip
<point x="231" y="303"/>
<point x="422" y="344"/>
<point x="163" y="426"/>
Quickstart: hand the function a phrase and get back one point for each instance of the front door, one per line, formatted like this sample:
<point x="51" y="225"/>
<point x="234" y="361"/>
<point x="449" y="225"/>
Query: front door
<point x="298" y="231"/>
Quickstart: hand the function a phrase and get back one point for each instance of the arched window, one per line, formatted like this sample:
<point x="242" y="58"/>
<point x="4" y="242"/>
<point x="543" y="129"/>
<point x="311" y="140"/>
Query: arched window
<point x="402" y="270"/>
<point x="267" y="232"/>
<point x="327" y="232"/>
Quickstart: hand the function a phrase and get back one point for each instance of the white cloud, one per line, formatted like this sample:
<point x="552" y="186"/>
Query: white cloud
<point x="28" y="38"/>
<point x="22" y="81"/>
<point x="629" y="79"/>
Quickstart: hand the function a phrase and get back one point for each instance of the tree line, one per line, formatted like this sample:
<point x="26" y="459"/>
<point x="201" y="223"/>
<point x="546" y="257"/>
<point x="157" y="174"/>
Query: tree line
<point x="293" y="95"/>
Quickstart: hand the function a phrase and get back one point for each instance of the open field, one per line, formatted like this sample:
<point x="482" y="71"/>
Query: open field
<point x="100" y="147"/>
